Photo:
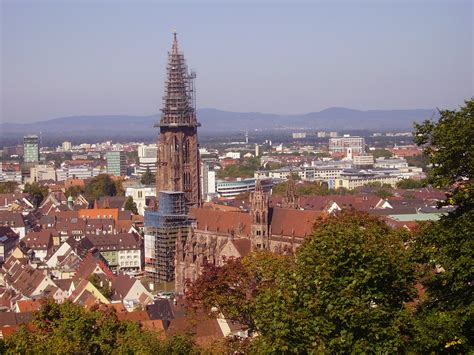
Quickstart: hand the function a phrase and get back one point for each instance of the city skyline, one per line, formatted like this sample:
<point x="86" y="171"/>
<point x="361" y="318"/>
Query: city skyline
<point x="108" y="58"/>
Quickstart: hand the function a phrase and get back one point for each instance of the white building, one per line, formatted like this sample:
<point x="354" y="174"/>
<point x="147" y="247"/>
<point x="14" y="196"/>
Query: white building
<point x="147" y="151"/>
<point x="233" y="155"/>
<point x="67" y="146"/>
<point x="41" y="173"/>
<point x="139" y="194"/>
<point x="299" y="135"/>
<point x="340" y="145"/>
<point x="363" y="160"/>
<point x="77" y="172"/>
<point x="208" y="181"/>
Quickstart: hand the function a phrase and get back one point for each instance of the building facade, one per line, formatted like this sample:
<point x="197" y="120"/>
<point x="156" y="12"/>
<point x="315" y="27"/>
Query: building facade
<point x="341" y="144"/>
<point x="116" y="163"/>
<point x="31" y="149"/>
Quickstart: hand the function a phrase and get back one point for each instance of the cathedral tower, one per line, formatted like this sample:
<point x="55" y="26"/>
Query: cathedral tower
<point x="178" y="154"/>
<point x="259" y="211"/>
<point x="290" y="200"/>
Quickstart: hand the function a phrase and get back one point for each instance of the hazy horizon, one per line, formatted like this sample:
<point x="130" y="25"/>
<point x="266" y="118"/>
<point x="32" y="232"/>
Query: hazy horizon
<point x="108" y="58"/>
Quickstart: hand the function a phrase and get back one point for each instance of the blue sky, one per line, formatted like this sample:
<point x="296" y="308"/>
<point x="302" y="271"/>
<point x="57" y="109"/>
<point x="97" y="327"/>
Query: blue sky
<point x="62" y="58"/>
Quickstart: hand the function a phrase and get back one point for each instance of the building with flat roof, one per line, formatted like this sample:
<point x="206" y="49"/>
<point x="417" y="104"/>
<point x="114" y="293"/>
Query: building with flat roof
<point x="116" y="163"/>
<point x="341" y="144"/>
<point x="31" y="149"/>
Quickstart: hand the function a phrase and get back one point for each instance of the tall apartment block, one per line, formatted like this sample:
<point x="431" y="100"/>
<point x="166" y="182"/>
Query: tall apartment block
<point x="31" y="149"/>
<point x="117" y="163"/>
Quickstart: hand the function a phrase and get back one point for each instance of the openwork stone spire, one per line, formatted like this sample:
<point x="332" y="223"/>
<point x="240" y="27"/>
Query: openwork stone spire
<point x="178" y="101"/>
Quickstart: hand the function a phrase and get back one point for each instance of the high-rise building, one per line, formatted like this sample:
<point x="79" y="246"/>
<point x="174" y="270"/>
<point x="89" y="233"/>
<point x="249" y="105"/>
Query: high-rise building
<point x="178" y="154"/>
<point x="147" y="158"/>
<point x="31" y="149"/>
<point x="67" y="146"/>
<point x="116" y="163"/>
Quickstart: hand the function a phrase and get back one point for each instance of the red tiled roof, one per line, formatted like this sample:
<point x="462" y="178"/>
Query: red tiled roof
<point x="28" y="305"/>
<point x="290" y="221"/>
<point x="221" y="221"/>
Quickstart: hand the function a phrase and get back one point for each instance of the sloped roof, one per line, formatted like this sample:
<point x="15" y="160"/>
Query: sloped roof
<point x="221" y="221"/>
<point x="285" y="221"/>
<point x="12" y="219"/>
<point x="243" y="246"/>
<point x="122" y="284"/>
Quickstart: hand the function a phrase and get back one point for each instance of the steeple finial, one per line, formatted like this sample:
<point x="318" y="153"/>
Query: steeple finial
<point x="174" y="48"/>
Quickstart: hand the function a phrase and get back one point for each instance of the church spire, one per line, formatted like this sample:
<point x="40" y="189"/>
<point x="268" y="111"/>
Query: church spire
<point x="291" y="200"/>
<point x="174" y="47"/>
<point x="178" y="155"/>
<point x="178" y="102"/>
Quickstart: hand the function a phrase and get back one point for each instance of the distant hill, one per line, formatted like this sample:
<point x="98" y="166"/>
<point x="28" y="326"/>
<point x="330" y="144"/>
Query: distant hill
<point x="215" y="121"/>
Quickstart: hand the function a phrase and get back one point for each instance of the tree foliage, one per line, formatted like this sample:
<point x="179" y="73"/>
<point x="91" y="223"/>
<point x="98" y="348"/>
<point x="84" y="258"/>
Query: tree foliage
<point x="73" y="191"/>
<point x="98" y="186"/>
<point x="37" y="192"/>
<point x="449" y="146"/>
<point x="343" y="291"/>
<point x="244" y="169"/>
<point x="8" y="187"/>
<point x="381" y="153"/>
<point x="70" y="329"/>
<point x="148" y="178"/>
<point x="130" y="205"/>
<point x="445" y="318"/>
<point x="408" y="184"/>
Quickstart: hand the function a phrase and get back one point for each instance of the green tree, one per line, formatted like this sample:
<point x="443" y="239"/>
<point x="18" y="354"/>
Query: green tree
<point x="104" y="288"/>
<point x="98" y="186"/>
<point x="381" y="153"/>
<point x="346" y="293"/>
<point x="130" y="205"/>
<point x="410" y="184"/>
<point x="8" y="187"/>
<point x="444" y="319"/>
<point x="148" y="178"/>
<point x="37" y="192"/>
<point x="449" y="146"/>
<point x="70" y="329"/>
<point x="73" y="191"/>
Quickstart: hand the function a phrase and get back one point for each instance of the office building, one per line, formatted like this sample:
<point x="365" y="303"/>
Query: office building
<point x="31" y="149"/>
<point x="116" y="163"/>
